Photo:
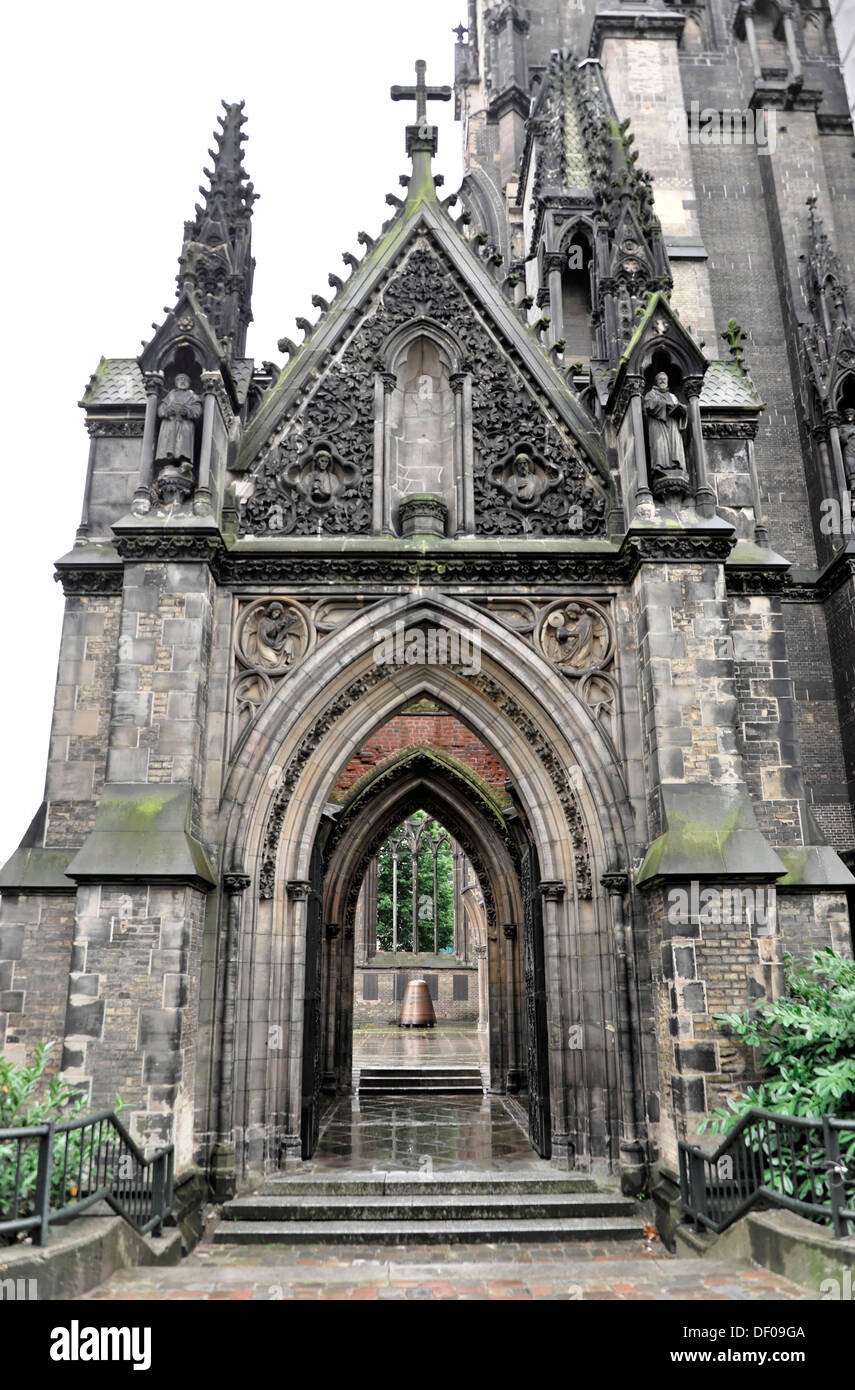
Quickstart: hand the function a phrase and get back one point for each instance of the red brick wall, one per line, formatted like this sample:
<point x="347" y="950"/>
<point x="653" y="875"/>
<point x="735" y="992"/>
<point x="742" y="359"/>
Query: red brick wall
<point x="437" y="731"/>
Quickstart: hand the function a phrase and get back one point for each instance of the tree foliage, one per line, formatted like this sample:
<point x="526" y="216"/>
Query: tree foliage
<point x="424" y="889"/>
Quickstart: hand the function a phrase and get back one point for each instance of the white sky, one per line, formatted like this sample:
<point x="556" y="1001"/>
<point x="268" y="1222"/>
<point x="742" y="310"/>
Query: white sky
<point x="110" y="112"/>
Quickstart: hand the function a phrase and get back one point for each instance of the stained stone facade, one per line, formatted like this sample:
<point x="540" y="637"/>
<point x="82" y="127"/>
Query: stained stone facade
<point x="525" y="473"/>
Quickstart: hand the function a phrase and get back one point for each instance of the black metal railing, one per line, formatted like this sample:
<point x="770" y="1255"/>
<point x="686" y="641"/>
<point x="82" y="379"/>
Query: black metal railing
<point x="52" y="1172"/>
<point x="783" y="1160"/>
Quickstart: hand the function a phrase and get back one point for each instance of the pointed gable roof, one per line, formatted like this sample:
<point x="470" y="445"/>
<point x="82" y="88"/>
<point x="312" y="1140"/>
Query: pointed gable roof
<point x="422" y="215"/>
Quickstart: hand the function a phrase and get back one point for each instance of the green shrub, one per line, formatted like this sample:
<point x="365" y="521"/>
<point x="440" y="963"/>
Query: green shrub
<point x="29" y="1097"/>
<point x="806" y="1042"/>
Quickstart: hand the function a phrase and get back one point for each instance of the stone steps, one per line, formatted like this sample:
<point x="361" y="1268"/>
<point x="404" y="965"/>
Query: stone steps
<point x="410" y="1210"/>
<point x="429" y="1207"/>
<point x="398" y="1184"/>
<point x="432" y="1080"/>
<point x="456" y="1232"/>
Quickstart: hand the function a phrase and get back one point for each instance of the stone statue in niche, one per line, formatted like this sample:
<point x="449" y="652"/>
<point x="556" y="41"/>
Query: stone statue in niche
<point x="846" y="432"/>
<point x="176" y="441"/>
<point x="576" y="637"/>
<point x="666" y="422"/>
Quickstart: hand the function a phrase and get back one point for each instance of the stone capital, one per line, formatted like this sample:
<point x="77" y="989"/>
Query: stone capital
<point x="236" y="882"/>
<point x="615" y="880"/>
<point x="553" y="890"/>
<point x="693" y="385"/>
<point x="298" y="889"/>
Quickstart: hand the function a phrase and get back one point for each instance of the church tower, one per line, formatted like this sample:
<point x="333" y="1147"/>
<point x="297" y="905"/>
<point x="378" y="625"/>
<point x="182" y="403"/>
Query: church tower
<point x="544" y="528"/>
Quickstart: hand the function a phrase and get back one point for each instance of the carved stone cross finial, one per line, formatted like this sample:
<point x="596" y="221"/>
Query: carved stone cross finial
<point x="421" y="137"/>
<point x="421" y="94"/>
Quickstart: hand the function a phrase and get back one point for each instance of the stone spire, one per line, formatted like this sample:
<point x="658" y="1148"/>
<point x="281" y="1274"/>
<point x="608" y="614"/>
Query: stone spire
<point x="216" y="260"/>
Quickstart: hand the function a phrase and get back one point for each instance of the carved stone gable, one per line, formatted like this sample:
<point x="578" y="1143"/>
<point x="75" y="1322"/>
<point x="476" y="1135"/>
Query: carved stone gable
<point x="528" y="474"/>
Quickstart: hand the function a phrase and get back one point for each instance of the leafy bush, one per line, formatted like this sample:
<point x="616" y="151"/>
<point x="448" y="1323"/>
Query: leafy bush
<point x="29" y="1097"/>
<point x="806" y="1041"/>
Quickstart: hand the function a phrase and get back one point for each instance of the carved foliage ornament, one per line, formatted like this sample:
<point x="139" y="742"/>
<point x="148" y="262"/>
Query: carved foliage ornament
<point x="338" y="417"/>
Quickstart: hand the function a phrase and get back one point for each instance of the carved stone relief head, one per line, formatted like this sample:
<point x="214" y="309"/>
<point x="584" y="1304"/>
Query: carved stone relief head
<point x="524" y="476"/>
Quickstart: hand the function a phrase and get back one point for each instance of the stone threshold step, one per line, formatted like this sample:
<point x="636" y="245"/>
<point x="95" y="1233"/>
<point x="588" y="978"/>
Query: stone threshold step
<point x="403" y="1185"/>
<point x="423" y="1087"/>
<point x="569" y="1229"/>
<point x="432" y="1207"/>
<point x="426" y="1068"/>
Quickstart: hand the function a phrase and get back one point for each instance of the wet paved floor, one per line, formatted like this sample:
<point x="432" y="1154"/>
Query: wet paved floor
<point x="410" y="1047"/>
<point x="417" y="1134"/>
<point x="616" y="1272"/>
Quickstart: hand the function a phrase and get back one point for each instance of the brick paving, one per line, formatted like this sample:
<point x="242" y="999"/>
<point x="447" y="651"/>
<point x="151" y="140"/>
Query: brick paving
<point x="624" y="1271"/>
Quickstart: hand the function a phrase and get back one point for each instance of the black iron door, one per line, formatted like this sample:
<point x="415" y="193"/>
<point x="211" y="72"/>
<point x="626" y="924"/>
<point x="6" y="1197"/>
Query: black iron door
<point x="312" y="998"/>
<point x="539" y="1119"/>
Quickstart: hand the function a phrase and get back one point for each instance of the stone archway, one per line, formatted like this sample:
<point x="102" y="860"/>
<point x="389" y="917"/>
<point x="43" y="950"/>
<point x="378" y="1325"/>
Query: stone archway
<point x="568" y="791"/>
<point x="421" y="779"/>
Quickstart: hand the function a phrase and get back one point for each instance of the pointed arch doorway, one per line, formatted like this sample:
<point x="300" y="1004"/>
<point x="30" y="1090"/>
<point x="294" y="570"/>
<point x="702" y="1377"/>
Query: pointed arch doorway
<point x="496" y="843"/>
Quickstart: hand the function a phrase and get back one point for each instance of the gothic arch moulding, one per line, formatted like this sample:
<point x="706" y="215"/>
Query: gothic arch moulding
<point x="566" y="785"/>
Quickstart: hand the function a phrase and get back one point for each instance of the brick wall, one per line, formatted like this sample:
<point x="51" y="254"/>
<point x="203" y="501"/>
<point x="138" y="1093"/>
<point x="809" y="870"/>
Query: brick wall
<point x="441" y="731"/>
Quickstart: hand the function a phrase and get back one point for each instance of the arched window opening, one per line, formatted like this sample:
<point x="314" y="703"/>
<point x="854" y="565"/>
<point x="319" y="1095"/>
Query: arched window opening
<point x="576" y="299"/>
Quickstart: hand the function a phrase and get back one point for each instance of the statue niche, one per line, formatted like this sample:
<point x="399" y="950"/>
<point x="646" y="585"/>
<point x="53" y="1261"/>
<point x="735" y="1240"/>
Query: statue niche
<point x="666" y="418"/>
<point x="423" y="426"/>
<point x="175" y="453"/>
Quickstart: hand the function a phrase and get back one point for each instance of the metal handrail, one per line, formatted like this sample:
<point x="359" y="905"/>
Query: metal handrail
<point x="757" y="1161"/>
<point x="105" y="1165"/>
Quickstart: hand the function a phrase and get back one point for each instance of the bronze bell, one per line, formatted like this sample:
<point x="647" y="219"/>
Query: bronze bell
<point x="417" y="1009"/>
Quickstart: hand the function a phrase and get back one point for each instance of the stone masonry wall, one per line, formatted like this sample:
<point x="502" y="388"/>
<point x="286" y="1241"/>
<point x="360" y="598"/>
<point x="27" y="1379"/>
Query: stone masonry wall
<point x="35" y="956"/>
<point x="718" y="958"/>
<point x="133" y="1006"/>
<point x="157" y="729"/>
<point x="767" y="736"/>
<point x="687" y="674"/>
<point x="822" y="753"/>
<point x="80" y="730"/>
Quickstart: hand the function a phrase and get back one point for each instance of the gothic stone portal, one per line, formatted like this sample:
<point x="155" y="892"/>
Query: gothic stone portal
<point x="587" y="503"/>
